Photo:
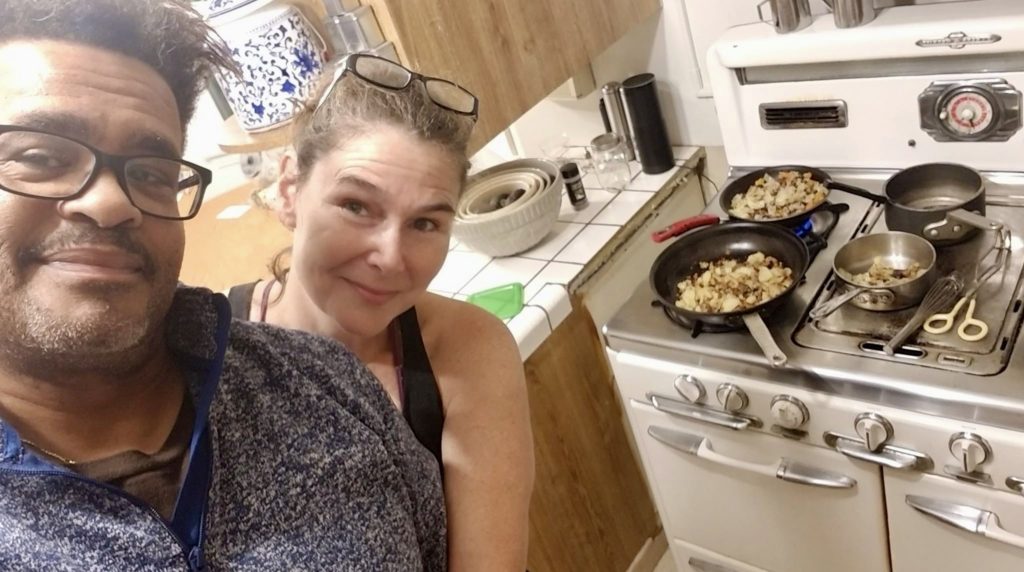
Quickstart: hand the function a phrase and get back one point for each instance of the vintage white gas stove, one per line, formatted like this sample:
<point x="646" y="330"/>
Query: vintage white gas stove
<point x="848" y="459"/>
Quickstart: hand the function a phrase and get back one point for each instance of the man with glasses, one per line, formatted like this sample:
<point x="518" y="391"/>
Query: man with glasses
<point x="139" y="428"/>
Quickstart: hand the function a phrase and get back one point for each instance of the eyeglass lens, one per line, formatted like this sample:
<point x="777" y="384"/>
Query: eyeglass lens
<point x="50" y="166"/>
<point x="392" y="75"/>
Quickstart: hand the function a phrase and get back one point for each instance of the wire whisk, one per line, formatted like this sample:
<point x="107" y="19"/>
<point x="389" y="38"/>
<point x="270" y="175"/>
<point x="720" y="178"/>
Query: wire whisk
<point x="940" y="296"/>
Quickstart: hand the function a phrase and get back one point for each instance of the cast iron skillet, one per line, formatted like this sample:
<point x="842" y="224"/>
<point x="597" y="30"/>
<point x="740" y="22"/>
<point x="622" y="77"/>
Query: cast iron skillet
<point x="731" y="240"/>
<point x="745" y="182"/>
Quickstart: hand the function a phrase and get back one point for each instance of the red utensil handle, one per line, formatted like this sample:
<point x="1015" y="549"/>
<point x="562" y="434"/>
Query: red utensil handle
<point x="685" y="225"/>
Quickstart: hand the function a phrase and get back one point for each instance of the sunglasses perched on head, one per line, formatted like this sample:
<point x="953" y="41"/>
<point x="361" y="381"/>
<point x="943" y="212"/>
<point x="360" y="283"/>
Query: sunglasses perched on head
<point x="388" y="75"/>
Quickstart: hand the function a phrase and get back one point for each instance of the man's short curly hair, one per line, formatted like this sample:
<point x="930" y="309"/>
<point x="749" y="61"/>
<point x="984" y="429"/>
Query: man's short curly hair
<point x="168" y="35"/>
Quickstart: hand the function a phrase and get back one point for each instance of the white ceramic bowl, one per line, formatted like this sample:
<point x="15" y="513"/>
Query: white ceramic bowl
<point x="518" y="226"/>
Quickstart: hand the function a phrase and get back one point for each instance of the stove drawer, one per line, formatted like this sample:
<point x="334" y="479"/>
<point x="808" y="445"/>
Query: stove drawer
<point x="690" y="558"/>
<point x="772" y="503"/>
<point x="924" y="541"/>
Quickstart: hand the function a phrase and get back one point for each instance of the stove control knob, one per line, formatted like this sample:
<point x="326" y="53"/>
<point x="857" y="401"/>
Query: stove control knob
<point x="874" y="429"/>
<point x="732" y="398"/>
<point x="690" y="388"/>
<point x="970" y="450"/>
<point x="789" y="412"/>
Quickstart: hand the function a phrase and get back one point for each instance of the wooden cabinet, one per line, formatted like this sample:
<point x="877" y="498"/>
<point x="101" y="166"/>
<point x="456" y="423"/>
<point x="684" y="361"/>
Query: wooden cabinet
<point x="591" y="510"/>
<point x="510" y="53"/>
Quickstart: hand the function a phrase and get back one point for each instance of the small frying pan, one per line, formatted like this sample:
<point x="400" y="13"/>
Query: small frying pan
<point x="729" y="240"/>
<point x="744" y="183"/>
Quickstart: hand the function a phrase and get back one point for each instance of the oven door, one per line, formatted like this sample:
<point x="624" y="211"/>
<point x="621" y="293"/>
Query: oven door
<point x="767" y="502"/>
<point x="939" y="524"/>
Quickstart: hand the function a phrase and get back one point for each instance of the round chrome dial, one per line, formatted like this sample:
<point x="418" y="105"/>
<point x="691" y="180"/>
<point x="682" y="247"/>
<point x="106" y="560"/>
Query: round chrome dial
<point x="970" y="450"/>
<point x="873" y="429"/>
<point x="690" y="388"/>
<point x="789" y="412"/>
<point x="732" y="398"/>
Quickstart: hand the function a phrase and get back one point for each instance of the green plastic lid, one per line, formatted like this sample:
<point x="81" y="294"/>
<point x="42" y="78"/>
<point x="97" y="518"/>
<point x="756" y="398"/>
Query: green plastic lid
<point x="503" y="301"/>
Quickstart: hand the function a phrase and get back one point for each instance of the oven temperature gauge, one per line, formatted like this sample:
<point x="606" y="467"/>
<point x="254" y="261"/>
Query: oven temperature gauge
<point x="970" y="110"/>
<point x="967" y="113"/>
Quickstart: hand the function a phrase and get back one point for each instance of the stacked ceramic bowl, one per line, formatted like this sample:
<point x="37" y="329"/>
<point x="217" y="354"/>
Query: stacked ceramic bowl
<point x="509" y="208"/>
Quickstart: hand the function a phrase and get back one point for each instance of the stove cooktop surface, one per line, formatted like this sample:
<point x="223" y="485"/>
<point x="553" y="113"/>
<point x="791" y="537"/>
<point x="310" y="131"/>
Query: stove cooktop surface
<point x="856" y="331"/>
<point x="957" y="379"/>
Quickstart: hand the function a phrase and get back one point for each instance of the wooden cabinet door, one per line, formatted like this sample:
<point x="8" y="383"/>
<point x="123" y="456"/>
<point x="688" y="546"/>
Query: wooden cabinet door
<point x="591" y="510"/>
<point x="510" y="53"/>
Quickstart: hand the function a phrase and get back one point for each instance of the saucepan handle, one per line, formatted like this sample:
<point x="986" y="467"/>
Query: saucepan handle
<point x="834" y="303"/>
<point x="863" y="193"/>
<point x="685" y="225"/>
<point x="973" y="219"/>
<point x="764" y="338"/>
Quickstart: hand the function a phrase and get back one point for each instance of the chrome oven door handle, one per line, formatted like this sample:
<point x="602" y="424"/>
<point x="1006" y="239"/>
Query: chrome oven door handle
<point x="704" y="566"/>
<point x="965" y="517"/>
<point x="891" y="456"/>
<point x="1015" y="484"/>
<point x="784" y="469"/>
<point x="698" y="413"/>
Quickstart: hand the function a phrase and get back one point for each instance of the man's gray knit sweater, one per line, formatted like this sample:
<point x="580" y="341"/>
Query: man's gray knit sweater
<point x="308" y="466"/>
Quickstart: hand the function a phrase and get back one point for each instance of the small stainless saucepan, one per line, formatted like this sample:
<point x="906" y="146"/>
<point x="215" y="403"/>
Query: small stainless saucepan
<point x="898" y="250"/>
<point x="941" y="202"/>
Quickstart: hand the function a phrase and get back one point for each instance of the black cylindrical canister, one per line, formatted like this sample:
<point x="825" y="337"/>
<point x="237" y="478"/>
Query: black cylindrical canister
<point x="650" y="135"/>
<point x="574" y="186"/>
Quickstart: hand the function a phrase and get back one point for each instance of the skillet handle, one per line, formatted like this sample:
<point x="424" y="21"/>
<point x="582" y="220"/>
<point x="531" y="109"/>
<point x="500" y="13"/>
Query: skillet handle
<point x="862" y="193"/>
<point x="763" y="337"/>
<point x="685" y="225"/>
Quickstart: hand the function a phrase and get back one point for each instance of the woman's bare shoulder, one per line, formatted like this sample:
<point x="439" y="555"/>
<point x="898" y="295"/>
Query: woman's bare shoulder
<point x="466" y="345"/>
<point x="454" y="326"/>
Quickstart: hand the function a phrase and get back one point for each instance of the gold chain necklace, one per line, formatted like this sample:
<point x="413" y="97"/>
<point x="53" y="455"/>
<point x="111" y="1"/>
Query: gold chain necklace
<point x="48" y="453"/>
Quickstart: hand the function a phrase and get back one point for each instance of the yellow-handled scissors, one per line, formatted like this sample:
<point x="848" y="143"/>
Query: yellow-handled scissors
<point x="942" y="323"/>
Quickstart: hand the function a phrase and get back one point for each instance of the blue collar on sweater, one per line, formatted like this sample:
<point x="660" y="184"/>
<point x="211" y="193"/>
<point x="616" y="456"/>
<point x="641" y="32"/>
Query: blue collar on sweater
<point x="198" y="328"/>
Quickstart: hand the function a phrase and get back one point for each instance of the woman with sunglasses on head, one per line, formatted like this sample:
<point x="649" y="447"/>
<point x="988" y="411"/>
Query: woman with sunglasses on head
<point x="370" y="192"/>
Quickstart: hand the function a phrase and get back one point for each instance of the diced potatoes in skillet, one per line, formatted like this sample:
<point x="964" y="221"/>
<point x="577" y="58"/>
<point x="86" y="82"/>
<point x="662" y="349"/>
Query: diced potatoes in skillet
<point x="731" y="285"/>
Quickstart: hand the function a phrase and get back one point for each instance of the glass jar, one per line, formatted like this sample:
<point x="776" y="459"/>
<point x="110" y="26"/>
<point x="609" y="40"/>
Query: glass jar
<point x="610" y="159"/>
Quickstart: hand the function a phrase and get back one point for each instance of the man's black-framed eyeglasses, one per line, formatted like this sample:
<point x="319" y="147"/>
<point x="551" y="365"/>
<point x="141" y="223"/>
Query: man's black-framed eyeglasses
<point x="386" y="74"/>
<point x="42" y="165"/>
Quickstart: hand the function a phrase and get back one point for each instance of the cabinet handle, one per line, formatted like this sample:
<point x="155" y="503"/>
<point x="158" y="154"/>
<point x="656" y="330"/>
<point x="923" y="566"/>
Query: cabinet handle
<point x="889" y="456"/>
<point x="698" y="413"/>
<point x="965" y="517"/>
<point x="784" y="469"/>
<point x="705" y="566"/>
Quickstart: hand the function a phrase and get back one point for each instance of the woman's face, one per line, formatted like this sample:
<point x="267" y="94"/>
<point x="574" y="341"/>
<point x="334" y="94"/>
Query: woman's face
<point x="372" y="225"/>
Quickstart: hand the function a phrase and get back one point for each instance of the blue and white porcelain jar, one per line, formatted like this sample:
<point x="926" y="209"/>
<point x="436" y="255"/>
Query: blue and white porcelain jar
<point x="281" y="56"/>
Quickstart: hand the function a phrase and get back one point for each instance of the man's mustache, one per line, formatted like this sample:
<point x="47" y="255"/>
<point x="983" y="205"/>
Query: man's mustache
<point x="81" y="236"/>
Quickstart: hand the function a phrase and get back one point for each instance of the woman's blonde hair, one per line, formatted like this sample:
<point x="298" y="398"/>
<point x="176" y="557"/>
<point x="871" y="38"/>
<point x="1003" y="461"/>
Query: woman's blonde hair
<point x="356" y="108"/>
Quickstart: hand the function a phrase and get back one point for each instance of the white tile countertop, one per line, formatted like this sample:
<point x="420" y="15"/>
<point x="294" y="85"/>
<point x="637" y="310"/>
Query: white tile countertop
<point x="547" y="270"/>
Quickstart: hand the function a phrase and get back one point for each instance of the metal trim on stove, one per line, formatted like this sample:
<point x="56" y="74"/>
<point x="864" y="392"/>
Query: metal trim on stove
<point x="785" y="469"/>
<point x="670" y="406"/>
<point x="890" y="456"/>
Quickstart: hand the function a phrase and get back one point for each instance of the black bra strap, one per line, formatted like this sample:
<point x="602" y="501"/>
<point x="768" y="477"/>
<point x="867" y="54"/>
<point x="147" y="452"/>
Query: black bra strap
<point x="240" y="299"/>
<point x="423" y="408"/>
